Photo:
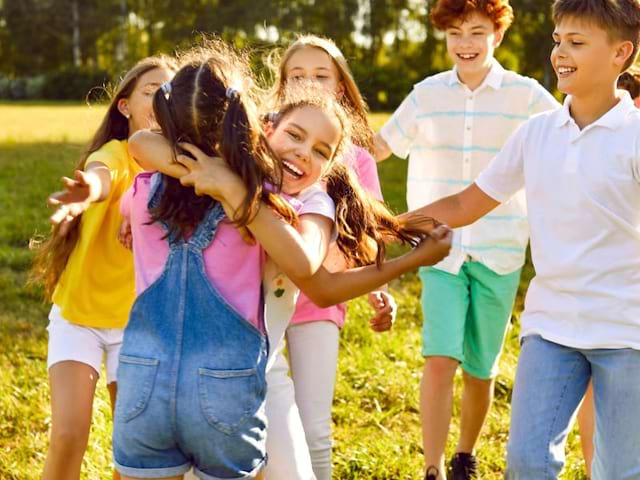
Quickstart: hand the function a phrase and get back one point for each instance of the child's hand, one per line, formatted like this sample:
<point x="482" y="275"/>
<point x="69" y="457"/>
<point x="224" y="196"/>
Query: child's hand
<point x="385" y="309"/>
<point x="72" y="201"/>
<point x="207" y="175"/>
<point x="124" y="234"/>
<point x="435" y="247"/>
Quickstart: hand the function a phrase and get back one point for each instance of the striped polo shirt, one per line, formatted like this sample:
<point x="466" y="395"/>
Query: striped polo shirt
<point x="450" y="134"/>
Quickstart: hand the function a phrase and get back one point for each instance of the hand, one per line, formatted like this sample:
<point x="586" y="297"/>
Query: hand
<point x="435" y="247"/>
<point x="207" y="175"/>
<point x="72" y="201"/>
<point x="124" y="234"/>
<point x="385" y="309"/>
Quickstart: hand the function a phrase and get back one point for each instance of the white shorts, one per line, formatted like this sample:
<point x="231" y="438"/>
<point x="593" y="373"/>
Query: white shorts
<point x="68" y="341"/>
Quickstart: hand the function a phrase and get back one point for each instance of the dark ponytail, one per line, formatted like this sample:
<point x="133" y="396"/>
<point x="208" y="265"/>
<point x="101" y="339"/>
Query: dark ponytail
<point x="210" y="105"/>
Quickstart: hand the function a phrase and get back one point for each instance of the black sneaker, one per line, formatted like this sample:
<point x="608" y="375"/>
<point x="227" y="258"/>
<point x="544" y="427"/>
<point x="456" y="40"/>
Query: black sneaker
<point x="432" y="473"/>
<point x="463" y="466"/>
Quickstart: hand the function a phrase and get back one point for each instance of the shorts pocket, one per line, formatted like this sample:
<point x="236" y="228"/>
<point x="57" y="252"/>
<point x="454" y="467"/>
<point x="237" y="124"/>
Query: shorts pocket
<point x="136" y="377"/>
<point x="229" y="397"/>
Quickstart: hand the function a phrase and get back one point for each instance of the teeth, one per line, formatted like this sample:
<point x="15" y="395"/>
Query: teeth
<point x="566" y="70"/>
<point x="293" y="168"/>
<point x="467" y="56"/>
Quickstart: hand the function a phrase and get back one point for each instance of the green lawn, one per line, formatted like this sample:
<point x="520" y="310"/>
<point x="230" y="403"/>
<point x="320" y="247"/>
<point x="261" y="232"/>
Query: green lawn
<point x="376" y="422"/>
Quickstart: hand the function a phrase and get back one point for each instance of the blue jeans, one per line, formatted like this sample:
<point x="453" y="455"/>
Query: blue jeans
<point x="550" y="384"/>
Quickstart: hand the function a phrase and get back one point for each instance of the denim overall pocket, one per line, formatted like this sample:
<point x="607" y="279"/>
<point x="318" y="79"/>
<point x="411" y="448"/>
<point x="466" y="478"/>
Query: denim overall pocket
<point x="140" y="372"/>
<point x="228" y="397"/>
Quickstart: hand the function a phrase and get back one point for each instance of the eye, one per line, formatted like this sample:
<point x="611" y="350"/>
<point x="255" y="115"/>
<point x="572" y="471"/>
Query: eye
<point x="293" y="135"/>
<point x="555" y="43"/>
<point x="577" y="43"/>
<point x="322" y="153"/>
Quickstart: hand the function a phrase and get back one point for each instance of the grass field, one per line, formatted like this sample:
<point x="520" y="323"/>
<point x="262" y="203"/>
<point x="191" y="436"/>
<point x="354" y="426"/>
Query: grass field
<point x="376" y="421"/>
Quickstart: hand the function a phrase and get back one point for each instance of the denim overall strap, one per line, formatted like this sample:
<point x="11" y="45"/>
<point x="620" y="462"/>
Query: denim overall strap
<point x="203" y="234"/>
<point x="205" y="231"/>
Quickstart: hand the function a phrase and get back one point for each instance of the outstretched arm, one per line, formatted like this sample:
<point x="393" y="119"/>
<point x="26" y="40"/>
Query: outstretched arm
<point x="88" y="186"/>
<point x="288" y="249"/>
<point x="457" y="210"/>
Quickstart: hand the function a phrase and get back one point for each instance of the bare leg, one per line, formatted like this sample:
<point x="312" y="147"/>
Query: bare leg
<point x="113" y="390"/>
<point x="73" y="386"/>
<point x="477" y="396"/>
<point x="586" y="418"/>
<point x="436" y="400"/>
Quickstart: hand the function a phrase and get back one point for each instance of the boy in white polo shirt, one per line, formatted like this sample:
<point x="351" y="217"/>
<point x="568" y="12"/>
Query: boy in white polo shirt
<point x="451" y="125"/>
<point x="580" y="167"/>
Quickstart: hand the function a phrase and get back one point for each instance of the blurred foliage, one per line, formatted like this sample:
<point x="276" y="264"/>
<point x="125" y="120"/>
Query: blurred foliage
<point x="389" y="43"/>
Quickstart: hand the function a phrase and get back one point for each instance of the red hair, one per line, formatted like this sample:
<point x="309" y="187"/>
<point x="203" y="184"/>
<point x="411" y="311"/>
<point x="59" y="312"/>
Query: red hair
<point x="449" y="12"/>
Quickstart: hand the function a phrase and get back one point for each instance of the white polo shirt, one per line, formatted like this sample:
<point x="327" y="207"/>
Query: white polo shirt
<point x="583" y="193"/>
<point x="450" y="135"/>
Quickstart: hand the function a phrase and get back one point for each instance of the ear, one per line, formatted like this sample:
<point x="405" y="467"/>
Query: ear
<point x="636" y="102"/>
<point x="268" y="129"/>
<point x="123" y="107"/>
<point x="623" y="53"/>
<point x="340" y="89"/>
<point x="498" y="37"/>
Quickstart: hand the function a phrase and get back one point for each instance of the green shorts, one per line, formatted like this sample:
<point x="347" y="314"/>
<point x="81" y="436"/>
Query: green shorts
<point x="466" y="315"/>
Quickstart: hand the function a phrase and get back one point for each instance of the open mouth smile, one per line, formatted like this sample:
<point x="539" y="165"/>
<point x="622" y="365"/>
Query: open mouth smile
<point x="292" y="170"/>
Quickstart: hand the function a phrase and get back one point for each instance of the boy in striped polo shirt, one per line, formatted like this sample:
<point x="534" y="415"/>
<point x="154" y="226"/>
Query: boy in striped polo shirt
<point x="450" y="126"/>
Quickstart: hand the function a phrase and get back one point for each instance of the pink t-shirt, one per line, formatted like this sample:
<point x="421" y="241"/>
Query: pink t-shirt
<point x="233" y="267"/>
<point x="366" y="170"/>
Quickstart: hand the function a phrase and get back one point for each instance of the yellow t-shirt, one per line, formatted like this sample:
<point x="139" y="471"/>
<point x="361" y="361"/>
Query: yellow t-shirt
<point x="97" y="287"/>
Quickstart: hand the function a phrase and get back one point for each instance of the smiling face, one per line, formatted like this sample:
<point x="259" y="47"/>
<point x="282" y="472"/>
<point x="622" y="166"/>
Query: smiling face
<point x="138" y="107"/>
<point x="584" y="57"/>
<point x="471" y="43"/>
<point x="312" y="63"/>
<point x="306" y="141"/>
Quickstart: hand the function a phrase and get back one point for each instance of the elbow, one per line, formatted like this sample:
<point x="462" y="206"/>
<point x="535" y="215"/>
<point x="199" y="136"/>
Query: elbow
<point x="320" y="299"/>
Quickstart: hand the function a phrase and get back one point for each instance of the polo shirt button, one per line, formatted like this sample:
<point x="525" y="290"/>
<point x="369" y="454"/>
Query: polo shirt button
<point x="468" y="127"/>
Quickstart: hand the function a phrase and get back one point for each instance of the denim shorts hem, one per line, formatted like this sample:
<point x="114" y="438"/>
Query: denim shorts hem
<point x="247" y="476"/>
<point x="152" y="472"/>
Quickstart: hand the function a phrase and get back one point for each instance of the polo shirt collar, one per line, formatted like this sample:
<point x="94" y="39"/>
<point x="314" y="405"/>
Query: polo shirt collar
<point x="612" y="119"/>
<point x="493" y="79"/>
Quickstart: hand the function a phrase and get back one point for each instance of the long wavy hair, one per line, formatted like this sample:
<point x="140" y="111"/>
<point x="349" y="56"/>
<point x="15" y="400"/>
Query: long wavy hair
<point x="210" y="103"/>
<point x="364" y="224"/>
<point x="53" y="254"/>
<point x="355" y="104"/>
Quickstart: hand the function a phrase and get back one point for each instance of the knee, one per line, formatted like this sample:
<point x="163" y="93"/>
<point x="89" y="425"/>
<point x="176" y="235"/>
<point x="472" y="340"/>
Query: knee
<point x="441" y="370"/>
<point x="318" y="435"/>
<point x="477" y="383"/>
<point x="69" y="440"/>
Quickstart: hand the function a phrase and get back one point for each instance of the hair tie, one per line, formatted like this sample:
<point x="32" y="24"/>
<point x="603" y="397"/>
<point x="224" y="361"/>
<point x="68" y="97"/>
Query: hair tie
<point x="272" y="117"/>
<point x="166" y="89"/>
<point x="232" y="93"/>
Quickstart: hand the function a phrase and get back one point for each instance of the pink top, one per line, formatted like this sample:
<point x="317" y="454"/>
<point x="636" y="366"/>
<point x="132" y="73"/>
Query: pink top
<point x="232" y="266"/>
<point x="365" y="168"/>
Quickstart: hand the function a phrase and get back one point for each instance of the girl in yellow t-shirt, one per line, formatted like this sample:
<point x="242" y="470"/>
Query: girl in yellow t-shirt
<point x="87" y="273"/>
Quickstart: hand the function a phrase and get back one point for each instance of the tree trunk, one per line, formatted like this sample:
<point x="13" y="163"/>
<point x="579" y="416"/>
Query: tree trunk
<point x="75" y="18"/>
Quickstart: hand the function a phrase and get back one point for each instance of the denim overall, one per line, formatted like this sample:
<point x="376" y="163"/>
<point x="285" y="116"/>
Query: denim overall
<point x="191" y="378"/>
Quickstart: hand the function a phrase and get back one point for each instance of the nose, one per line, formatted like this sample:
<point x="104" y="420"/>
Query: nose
<point x="303" y="152"/>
